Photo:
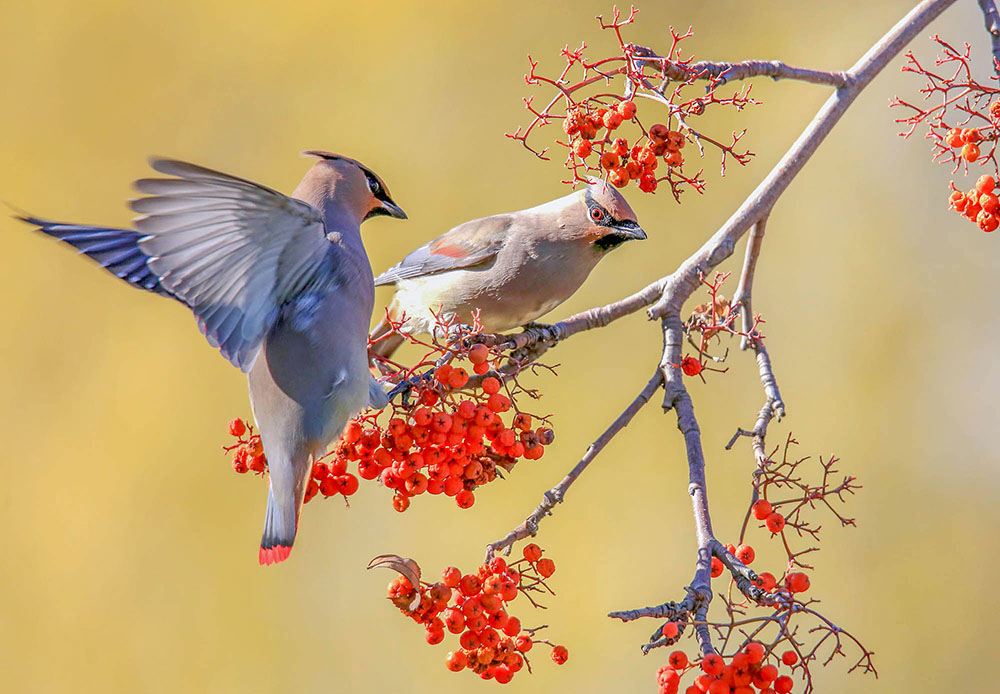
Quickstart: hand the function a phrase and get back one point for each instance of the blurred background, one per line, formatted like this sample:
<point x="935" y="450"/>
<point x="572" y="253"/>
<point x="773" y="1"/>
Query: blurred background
<point x="130" y="546"/>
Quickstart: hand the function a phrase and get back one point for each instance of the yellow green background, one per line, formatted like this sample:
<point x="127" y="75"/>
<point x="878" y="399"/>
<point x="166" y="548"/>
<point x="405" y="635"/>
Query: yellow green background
<point x="129" y="552"/>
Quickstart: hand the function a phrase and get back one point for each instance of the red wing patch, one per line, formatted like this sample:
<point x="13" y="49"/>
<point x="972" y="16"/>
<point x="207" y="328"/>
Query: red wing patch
<point x="449" y="251"/>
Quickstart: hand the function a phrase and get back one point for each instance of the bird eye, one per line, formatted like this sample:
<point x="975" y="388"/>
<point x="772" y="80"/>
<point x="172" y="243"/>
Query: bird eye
<point x="374" y="186"/>
<point x="597" y="214"/>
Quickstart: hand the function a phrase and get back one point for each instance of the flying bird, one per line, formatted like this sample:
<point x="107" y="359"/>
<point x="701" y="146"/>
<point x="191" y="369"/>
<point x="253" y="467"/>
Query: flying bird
<point x="512" y="268"/>
<point x="280" y="285"/>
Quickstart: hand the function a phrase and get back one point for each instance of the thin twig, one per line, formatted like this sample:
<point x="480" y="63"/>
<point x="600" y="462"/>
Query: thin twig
<point x="992" y="20"/>
<point x="555" y="495"/>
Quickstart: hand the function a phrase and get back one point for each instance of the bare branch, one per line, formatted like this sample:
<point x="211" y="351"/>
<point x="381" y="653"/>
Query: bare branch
<point x="555" y="495"/>
<point x="723" y="72"/>
<point x="992" y="20"/>
<point x="744" y="292"/>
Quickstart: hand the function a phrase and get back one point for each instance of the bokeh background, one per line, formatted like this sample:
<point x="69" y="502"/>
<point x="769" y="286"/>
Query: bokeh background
<point x="129" y="550"/>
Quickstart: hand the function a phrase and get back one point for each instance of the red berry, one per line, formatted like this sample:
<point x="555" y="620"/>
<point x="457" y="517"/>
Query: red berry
<point x="670" y="630"/>
<point x="789" y="658"/>
<point x="971" y="135"/>
<point x="717" y="567"/>
<point x="954" y="137"/>
<point x="546" y="567"/>
<point x="775" y="522"/>
<point x="560" y="655"/>
<point x="970" y="152"/>
<point x="456" y="661"/>
<point x="755" y="652"/>
<point x="523" y="643"/>
<point x="237" y="427"/>
<point x="678" y="660"/>
<point x="783" y="684"/>
<point x="647" y="183"/>
<point x="745" y="554"/>
<point x="712" y="664"/>
<point x="465" y="499"/>
<point x="761" y="509"/>
<point x="797" y="582"/>
<point x="582" y="149"/>
<point x="985" y="184"/>
<point x="491" y="385"/>
<point x="987" y="222"/>
<point x="626" y="109"/>
<point x="532" y="552"/>
<point x="766" y="581"/>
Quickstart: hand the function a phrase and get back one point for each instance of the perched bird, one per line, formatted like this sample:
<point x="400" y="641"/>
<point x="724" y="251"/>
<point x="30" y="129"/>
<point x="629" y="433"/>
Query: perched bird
<point x="280" y="285"/>
<point x="512" y="267"/>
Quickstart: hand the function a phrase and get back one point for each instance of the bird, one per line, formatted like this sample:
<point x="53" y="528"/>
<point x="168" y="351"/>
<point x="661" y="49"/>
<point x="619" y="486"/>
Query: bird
<point x="512" y="268"/>
<point x="280" y="285"/>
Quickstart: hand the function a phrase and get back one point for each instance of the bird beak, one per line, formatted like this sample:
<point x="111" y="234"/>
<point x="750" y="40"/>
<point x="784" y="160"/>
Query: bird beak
<point x="393" y="210"/>
<point x="630" y="230"/>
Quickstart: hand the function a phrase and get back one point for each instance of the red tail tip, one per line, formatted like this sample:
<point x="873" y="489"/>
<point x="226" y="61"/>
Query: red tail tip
<point x="273" y="555"/>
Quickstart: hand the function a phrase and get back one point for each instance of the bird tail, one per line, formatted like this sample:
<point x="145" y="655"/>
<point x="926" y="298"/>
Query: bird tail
<point x="285" y="495"/>
<point x="116" y="250"/>
<point x="280" y="526"/>
<point x="383" y="343"/>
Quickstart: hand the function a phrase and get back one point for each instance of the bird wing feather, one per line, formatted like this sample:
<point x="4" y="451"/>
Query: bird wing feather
<point x="233" y="250"/>
<point x="466" y="246"/>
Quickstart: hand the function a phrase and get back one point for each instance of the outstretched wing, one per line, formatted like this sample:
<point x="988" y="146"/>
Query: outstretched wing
<point x="234" y="251"/>
<point x="466" y="246"/>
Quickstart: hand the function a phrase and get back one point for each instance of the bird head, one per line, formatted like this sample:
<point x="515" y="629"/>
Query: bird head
<point x="353" y="184"/>
<point x="611" y="222"/>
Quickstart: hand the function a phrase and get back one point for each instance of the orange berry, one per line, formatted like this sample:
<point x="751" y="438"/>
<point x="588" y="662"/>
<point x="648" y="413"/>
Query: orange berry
<point x="546" y="567"/>
<point x="797" y="582"/>
<point x="458" y="378"/>
<point x="954" y="137"/>
<point x="560" y="655"/>
<point x="612" y="119"/>
<point x="626" y="109"/>
<point x="456" y="661"/>
<point x="769" y="673"/>
<point x="491" y="385"/>
<point x="970" y="152"/>
<point x="481" y="368"/>
<point x="400" y="502"/>
<point x="717" y="567"/>
<point x="237" y="427"/>
<point x="986" y="184"/>
<point x="674" y="158"/>
<point x="712" y="664"/>
<point x="755" y="652"/>
<point x="465" y="499"/>
<point x="745" y="554"/>
<point x="610" y="160"/>
<point x="989" y="203"/>
<point x="620" y="146"/>
<point x="669" y="630"/>
<point x="971" y="135"/>
<point x="532" y="552"/>
<point x="479" y="353"/>
<point x="582" y="149"/>
<point x="633" y="169"/>
<point x="766" y="581"/>
<point x="675" y="140"/>
<point x="678" y="660"/>
<point x="775" y="522"/>
<point x="618" y="177"/>
<point x="647" y="183"/>
<point x="443" y="373"/>
<point x="987" y="222"/>
<point x="761" y="509"/>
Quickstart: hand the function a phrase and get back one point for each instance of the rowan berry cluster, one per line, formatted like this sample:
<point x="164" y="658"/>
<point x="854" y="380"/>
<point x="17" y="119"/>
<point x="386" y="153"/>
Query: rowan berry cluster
<point x="963" y="127"/>
<point x="772" y="639"/>
<point x="593" y="120"/>
<point x="448" y="434"/>
<point x="620" y="161"/>
<point x="755" y="667"/>
<point x="980" y="205"/>
<point x="475" y="607"/>
<point x="247" y="452"/>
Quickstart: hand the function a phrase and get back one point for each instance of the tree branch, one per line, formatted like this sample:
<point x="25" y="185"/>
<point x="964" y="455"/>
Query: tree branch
<point x="746" y="69"/>
<point x="992" y="20"/>
<point x="555" y="495"/>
